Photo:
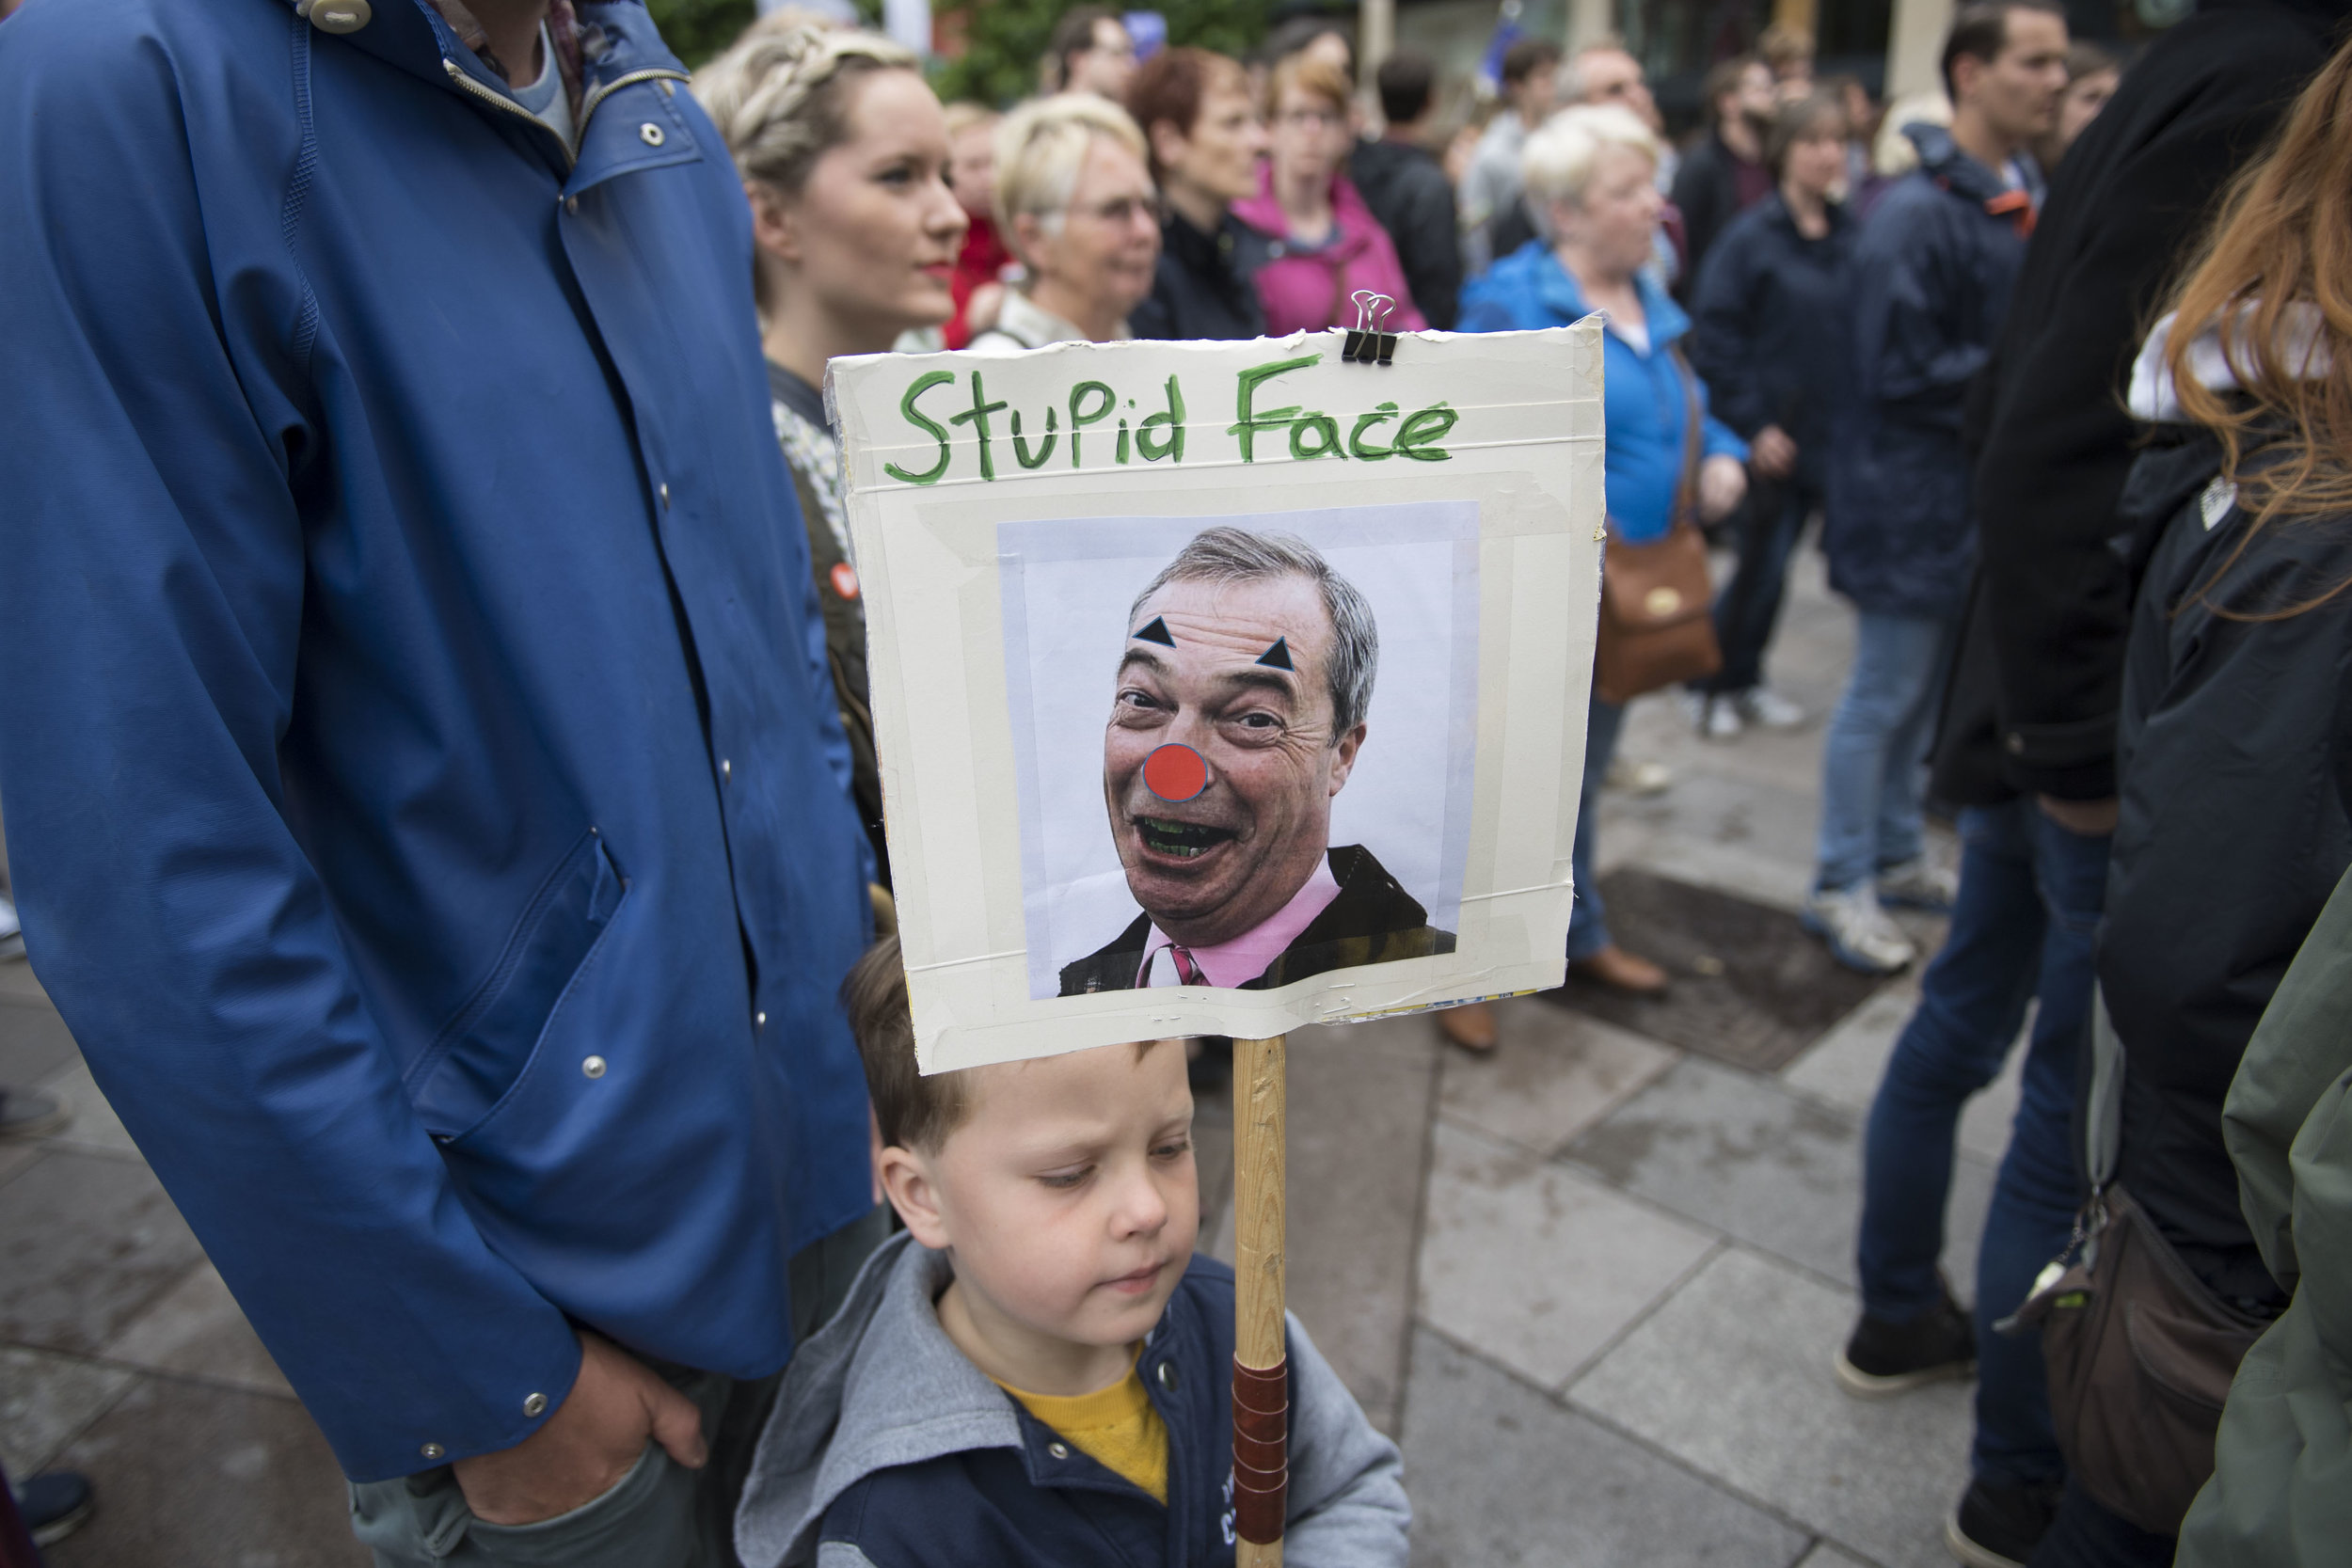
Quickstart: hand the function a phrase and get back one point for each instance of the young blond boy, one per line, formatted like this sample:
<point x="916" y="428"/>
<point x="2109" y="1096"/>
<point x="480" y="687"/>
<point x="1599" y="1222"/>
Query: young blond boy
<point x="1038" y="1374"/>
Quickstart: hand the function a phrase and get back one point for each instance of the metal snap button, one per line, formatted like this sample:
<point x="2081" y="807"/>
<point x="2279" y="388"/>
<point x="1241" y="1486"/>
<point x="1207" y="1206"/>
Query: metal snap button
<point x="648" y="132"/>
<point x="727" y="769"/>
<point x="759" y="1021"/>
<point x="571" y="205"/>
<point x="665" y="498"/>
<point x="592" y="1067"/>
<point x="1167" y="1376"/>
<point x="1060" y="1450"/>
<point x="535" y="1405"/>
<point x="433" y="1451"/>
<point x="338" y="16"/>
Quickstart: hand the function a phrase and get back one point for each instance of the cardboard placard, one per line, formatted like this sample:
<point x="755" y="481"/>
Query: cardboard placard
<point x="1326" y="770"/>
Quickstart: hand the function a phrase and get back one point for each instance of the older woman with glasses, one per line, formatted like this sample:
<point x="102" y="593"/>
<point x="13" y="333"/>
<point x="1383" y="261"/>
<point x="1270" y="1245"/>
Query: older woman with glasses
<point x="1075" y="204"/>
<point x="1326" y="244"/>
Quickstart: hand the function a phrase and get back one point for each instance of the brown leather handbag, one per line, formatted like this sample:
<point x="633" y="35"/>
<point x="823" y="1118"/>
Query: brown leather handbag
<point x="1656" y="626"/>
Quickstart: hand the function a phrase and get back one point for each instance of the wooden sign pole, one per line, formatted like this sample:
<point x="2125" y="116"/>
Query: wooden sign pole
<point x="1261" y="1358"/>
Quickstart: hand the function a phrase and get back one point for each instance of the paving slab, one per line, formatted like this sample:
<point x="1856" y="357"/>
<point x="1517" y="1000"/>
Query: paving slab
<point x="95" y="1129"/>
<point x="1780" y="1171"/>
<point x="34" y="1040"/>
<point x="1732" y="1376"/>
<point x="1361" y="1099"/>
<point x="1844" y="1068"/>
<point x="1828" y="1555"/>
<point x="86" y="1244"/>
<point x="1750" y="987"/>
<point x="15" y="1154"/>
<point x="18" y="985"/>
<point x="1737" y="833"/>
<point x="197" y="1330"/>
<point x="1552" y="1074"/>
<point x="1537" y="1266"/>
<point x="44" y="1400"/>
<point x="194" y="1477"/>
<point x="1502" y="1478"/>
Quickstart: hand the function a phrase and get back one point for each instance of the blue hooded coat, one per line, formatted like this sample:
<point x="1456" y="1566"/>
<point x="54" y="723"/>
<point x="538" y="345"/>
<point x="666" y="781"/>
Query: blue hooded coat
<point x="422" y="783"/>
<point x="1642" y="402"/>
<point x="1930" y="277"/>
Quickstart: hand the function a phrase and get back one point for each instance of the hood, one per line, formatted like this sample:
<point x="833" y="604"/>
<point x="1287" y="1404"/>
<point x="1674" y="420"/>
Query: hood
<point x="1557" y="288"/>
<point x="879" y="1386"/>
<point x="2154" y="396"/>
<point x="1941" y="159"/>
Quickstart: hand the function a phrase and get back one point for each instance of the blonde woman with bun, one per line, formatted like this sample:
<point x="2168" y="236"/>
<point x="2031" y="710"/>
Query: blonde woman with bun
<point x="844" y="153"/>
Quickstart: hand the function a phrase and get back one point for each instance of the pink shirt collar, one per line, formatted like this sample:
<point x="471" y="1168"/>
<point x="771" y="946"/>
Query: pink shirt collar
<point x="1237" y="962"/>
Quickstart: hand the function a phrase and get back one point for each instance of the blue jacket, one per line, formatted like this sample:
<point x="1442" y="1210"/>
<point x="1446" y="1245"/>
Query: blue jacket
<point x="424" y="790"/>
<point x="887" y="1449"/>
<point x="1928" y="283"/>
<point x="1769" y="333"/>
<point x="1642" y="396"/>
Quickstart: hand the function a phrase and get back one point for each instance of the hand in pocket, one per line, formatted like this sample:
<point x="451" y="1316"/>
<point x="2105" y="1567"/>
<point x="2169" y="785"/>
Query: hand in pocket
<point x="589" y="1445"/>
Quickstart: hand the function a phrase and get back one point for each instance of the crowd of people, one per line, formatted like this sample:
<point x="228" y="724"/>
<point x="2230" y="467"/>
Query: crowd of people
<point x="318" y="654"/>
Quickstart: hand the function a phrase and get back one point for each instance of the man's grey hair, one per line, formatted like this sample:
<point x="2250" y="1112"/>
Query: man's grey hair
<point x="1236" y="555"/>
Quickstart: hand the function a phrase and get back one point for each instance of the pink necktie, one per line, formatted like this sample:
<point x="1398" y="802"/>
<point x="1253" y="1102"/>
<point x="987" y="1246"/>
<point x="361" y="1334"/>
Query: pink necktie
<point x="1188" y="972"/>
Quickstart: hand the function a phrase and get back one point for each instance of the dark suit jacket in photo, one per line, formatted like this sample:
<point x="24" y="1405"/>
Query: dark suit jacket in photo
<point x="1372" y="921"/>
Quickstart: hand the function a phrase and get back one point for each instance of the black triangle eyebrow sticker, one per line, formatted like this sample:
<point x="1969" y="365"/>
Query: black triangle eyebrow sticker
<point x="1278" y="657"/>
<point x="1157" y="632"/>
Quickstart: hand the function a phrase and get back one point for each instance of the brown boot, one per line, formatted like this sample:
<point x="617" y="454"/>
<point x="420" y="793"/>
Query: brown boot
<point x="1472" y="1026"/>
<point x="1619" y="970"/>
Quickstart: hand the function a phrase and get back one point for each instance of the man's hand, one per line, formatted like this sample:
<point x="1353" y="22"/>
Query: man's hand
<point x="588" y="1444"/>
<point x="1722" y="479"/>
<point x="2083" y="818"/>
<point x="1774" y="454"/>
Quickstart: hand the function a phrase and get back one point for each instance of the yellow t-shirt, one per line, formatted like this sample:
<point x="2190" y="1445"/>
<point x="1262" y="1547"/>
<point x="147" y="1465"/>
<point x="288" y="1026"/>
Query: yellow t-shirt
<point x="1116" y="1426"/>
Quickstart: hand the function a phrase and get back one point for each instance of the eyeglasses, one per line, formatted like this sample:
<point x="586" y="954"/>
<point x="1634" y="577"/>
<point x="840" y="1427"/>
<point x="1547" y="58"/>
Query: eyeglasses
<point x="1304" y="119"/>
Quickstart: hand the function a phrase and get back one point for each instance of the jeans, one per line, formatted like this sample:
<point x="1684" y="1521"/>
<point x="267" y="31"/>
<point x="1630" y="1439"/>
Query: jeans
<point x="1588" y="920"/>
<point x="2023" y="926"/>
<point x="1748" y="608"/>
<point x="1874" y="760"/>
<point x="660" y="1514"/>
<point x="2084" y="1535"/>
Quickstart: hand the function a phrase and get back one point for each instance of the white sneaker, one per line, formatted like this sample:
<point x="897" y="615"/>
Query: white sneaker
<point x="1857" y="930"/>
<point x="1638" y="778"/>
<point x="1722" y="720"/>
<point x="1762" y="705"/>
<point x="1918" y="883"/>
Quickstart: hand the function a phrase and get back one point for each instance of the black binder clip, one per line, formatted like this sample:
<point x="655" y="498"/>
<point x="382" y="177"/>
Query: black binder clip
<point x="1366" y="343"/>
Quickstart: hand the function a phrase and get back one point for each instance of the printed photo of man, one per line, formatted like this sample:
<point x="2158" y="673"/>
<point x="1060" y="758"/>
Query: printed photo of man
<point x="1238" y="715"/>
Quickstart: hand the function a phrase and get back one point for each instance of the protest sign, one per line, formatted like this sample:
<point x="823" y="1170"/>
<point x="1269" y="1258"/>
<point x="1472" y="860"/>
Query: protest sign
<point x="1225" y="688"/>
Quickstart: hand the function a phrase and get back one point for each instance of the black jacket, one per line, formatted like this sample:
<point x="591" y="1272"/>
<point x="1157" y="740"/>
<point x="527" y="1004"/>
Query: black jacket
<point x="1706" y="192"/>
<point x="1407" y="191"/>
<point x="2234" y="762"/>
<point x="1206" y="283"/>
<point x="1768" y="328"/>
<point x="2033" y="694"/>
<point x="1372" y="921"/>
<point x="1930" y="279"/>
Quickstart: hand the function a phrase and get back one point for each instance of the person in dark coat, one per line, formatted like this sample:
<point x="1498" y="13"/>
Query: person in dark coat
<point x="1407" y="190"/>
<point x="1202" y="125"/>
<point x="1726" y="173"/>
<point x="1768" y="337"/>
<point x="2026" y="745"/>
<point x="2234" y="749"/>
<point x="1932" y="273"/>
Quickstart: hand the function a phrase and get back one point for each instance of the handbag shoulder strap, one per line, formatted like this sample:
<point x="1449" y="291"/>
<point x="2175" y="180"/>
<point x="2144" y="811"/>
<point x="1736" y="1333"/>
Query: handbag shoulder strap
<point x="2103" y="1111"/>
<point x="1687" y="484"/>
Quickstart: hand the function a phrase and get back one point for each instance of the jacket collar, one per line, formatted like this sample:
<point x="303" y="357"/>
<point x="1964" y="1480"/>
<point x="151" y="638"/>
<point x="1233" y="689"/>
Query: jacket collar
<point x="618" y="40"/>
<point x="1557" y="287"/>
<point x="1942" y="160"/>
<point x="1351" y="219"/>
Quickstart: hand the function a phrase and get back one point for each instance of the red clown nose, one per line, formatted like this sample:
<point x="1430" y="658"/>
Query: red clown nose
<point x="1175" y="772"/>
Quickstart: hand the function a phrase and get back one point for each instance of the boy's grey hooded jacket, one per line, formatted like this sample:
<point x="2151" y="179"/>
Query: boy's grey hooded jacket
<point x="889" y="1449"/>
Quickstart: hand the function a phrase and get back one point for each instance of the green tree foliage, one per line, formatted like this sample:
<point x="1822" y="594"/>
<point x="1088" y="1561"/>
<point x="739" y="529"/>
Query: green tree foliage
<point x="698" y="29"/>
<point x="1004" y="40"/>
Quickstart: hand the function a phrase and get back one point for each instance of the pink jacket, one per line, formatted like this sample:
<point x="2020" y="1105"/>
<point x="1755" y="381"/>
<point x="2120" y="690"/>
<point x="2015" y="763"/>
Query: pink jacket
<point x="1301" y="287"/>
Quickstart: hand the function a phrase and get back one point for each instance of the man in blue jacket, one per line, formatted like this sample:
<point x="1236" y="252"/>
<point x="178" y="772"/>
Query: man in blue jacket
<point x="1931" y="274"/>
<point x="423" y="783"/>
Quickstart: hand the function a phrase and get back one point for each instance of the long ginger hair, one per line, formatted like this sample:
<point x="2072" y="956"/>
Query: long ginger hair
<point x="2273" y="281"/>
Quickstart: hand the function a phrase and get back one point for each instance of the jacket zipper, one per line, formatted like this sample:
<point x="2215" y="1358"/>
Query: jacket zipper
<point x="587" y="108"/>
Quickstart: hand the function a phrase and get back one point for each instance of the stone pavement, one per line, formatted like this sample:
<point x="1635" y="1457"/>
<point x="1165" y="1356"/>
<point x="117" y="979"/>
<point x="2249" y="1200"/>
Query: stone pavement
<point x="1591" y="1283"/>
